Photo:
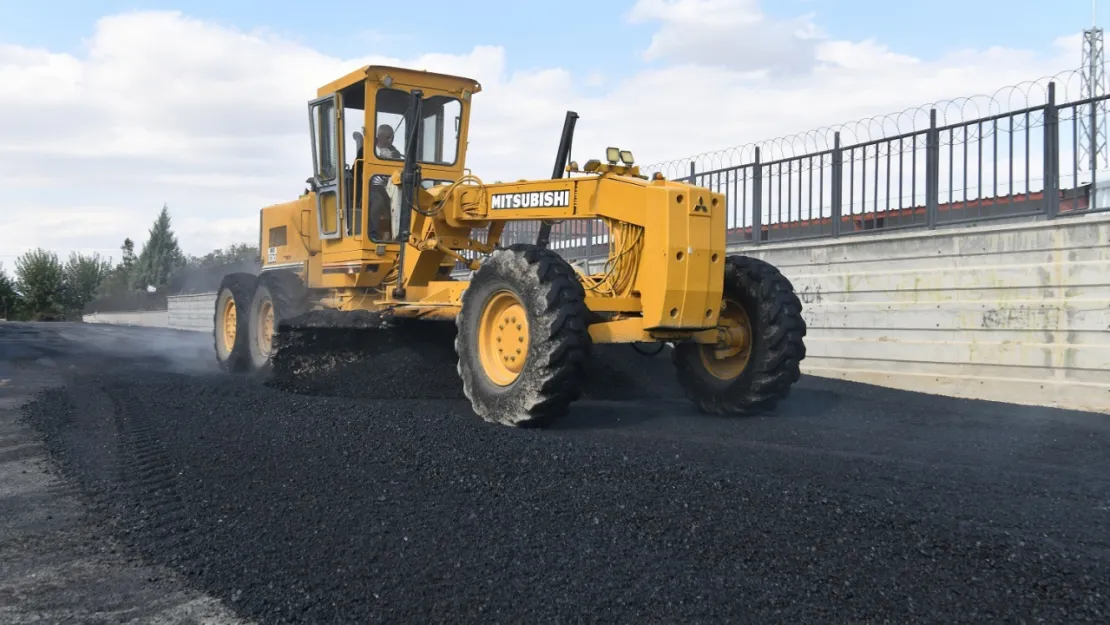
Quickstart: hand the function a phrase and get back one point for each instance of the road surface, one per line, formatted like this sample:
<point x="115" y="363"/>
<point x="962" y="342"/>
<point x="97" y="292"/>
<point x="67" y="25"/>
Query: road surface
<point x="357" y="503"/>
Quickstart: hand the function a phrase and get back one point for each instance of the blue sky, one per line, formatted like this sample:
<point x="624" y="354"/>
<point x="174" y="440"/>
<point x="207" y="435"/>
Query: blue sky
<point x="581" y="35"/>
<point x="216" y="152"/>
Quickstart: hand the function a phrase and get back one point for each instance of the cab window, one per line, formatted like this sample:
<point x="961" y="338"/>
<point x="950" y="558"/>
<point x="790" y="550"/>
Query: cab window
<point x="440" y="124"/>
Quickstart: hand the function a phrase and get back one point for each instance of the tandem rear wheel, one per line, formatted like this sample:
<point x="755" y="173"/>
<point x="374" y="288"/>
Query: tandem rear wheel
<point x="522" y="337"/>
<point x="248" y="310"/>
<point x="231" y="321"/>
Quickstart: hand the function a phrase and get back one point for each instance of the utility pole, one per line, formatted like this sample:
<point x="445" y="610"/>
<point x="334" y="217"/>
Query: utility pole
<point x="1093" y="125"/>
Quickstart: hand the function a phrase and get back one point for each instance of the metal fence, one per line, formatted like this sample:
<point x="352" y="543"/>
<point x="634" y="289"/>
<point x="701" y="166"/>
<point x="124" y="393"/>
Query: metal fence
<point x="1023" y="163"/>
<point x="1035" y="154"/>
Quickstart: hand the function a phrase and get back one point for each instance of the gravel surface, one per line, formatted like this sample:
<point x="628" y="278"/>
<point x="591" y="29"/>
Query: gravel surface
<point x="851" y="504"/>
<point x="59" y="562"/>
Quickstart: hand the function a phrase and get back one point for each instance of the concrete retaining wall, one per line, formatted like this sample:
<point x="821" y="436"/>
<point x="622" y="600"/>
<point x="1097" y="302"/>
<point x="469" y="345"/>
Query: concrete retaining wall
<point x="148" y="318"/>
<point x="191" y="312"/>
<point x="183" y="312"/>
<point x="1016" y="313"/>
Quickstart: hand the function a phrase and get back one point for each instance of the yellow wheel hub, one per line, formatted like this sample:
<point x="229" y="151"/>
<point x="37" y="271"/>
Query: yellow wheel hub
<point x="503" y="338"/>
<point x="266" y="326"/>
<point x="229" y="319"/>
<point x="728" y="358"/>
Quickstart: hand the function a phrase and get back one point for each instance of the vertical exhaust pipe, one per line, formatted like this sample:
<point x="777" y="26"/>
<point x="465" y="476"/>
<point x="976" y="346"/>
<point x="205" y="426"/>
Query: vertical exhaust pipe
<point x="561" y="158"/>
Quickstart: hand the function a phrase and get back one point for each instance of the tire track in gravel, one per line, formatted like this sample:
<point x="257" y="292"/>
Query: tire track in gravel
<point x="59" y="562"/>
<point x="150" y="477"/>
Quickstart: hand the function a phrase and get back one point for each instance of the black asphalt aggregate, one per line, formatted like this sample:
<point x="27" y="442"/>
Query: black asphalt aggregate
<point x="851" y="504"/>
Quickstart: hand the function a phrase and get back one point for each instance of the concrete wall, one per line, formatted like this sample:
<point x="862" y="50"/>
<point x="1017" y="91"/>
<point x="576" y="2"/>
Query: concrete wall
<point x="183" y="312"/>
<point x="148" y="318"/>
<point x="191" y="312"/>
<point x="1016" y="313"/>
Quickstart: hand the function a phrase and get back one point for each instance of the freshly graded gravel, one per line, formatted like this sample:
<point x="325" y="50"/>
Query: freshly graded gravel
<point x="344" y="503"/>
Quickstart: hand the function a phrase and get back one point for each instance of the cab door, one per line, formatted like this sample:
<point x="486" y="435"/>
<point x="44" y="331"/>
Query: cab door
<point x="327" y="154"/>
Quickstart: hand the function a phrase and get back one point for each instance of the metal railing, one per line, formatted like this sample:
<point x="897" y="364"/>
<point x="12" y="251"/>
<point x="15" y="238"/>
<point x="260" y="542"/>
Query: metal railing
<point x="1018" y="164"/>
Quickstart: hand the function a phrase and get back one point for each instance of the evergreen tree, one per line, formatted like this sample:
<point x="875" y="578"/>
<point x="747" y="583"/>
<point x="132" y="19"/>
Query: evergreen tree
<point x="127" y="261"/>
<point x="160" y="256"/>
<point x="39" y="279"/>
<point x="118" y="281"/>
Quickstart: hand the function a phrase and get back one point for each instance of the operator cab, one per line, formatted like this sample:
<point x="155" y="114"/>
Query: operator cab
<point x="358" y="197"/>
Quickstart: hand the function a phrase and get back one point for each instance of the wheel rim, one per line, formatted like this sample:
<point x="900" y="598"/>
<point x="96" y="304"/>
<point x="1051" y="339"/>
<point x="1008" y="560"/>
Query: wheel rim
<point x="503" y="338"/>
<point x="265" y="326"/>
<point x="728" y="358"/>
<point x="229" y="320"/>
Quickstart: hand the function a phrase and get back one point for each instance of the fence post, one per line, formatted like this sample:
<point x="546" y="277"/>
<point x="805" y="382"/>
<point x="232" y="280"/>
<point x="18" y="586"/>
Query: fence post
<point x="932" y="171"/>
<point x="693" y="170"/>
<point x="589" y="241"/>
<point x="757" y="200"/>
<point x="837" y="182"/>
<point x="1051" y="155"/>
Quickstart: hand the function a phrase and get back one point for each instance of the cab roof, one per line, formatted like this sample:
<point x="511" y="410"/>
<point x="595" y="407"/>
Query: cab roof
<point x="403" y="77"/>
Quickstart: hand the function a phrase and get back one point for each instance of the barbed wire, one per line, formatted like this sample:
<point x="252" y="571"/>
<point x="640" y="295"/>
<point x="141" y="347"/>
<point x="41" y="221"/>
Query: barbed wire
<point x="957" y="116"/>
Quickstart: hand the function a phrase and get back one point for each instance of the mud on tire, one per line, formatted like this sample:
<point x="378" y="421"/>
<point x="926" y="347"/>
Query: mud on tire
<point x="777" y="344"/>
<point x="236" y="289"/>
<point x="558" y="342"/>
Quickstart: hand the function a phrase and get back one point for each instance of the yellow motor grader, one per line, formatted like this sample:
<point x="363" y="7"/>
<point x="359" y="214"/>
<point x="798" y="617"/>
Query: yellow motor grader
<point x="390" y="213"/>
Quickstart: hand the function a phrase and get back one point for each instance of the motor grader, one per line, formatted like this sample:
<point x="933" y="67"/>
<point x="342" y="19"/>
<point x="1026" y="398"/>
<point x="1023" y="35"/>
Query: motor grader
<point x="387" y="216"/>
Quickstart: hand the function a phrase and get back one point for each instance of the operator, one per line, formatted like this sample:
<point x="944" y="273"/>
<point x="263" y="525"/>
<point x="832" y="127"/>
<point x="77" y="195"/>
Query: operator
<point x="383" y="143"/>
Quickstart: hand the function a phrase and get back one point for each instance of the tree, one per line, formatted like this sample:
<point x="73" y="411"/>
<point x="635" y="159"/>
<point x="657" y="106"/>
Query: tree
<point x="39" y="279"/>
<point x="127" y="261"/>
<point x="234" y="253"/>
<point x="160" y="257"/>
<point x="118" y="281"/>
<point x="9" y="297"/>
<point x="82" y="276"/>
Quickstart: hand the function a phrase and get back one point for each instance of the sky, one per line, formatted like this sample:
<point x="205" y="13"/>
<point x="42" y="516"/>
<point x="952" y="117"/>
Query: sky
<point x="110" y="109"/>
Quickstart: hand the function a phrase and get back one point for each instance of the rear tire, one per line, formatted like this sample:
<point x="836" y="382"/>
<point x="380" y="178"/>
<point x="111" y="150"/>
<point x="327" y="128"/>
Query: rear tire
<point x="279" y="295"/>
<point x="231" y="323"/>
<point x="755" y="378"/>
<point x="525" y="298"/>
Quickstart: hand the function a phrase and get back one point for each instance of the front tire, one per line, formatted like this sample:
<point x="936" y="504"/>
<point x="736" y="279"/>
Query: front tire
<point x="758" y="360"/>
<point x="522" y="337"/>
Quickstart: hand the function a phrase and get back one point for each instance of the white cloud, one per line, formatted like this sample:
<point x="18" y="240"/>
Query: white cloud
<point x="160" y="107"/>
<point x="730" y="33"/>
